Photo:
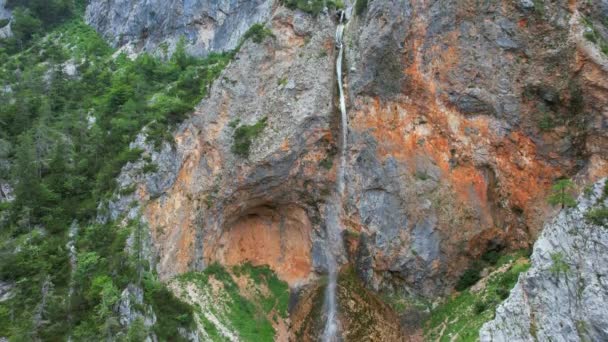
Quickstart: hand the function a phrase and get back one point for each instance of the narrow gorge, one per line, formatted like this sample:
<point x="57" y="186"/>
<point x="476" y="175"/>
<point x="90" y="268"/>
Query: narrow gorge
<point x="303" y="170"/>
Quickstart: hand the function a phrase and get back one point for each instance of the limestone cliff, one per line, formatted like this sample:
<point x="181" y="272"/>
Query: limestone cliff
<point x="152" y="26"/>
<point x="561" y="298"/>
<point x="447" y="155"/>
<point x="462" y="114"/>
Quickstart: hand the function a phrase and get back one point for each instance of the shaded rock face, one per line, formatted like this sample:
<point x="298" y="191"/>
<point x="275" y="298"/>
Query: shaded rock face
<point x="206" y="25"/>
<point x="562" y="297"/>
<point x="460" y="119"/>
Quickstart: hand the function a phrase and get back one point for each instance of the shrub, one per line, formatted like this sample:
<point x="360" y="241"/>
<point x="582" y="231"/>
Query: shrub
<point x="257" y="33"/>
<point x="468" y="278"/>
<point x="491" y="257"/>
<point x="597" y="216"/>
<point x="558" y="265"/>
<point x="244" y="135"/>
<point x="172" y="313"/>
<point x="310" y="6"/>
<point x="480" y="306"/>
<point x="25" y="25"/>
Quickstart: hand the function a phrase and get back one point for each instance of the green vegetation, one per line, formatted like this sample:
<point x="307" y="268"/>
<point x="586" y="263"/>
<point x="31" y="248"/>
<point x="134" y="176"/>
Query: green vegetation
<point x="360" y="6"/>
<point x="469" y="277"/>
<point x="313" y="6"/>
<point x="70" y="111"/>
<point x="597" y="216"/>
<point x="327" y="163"/>
<point x="33" y="18"/>
<point x="266" y="296"/>
<point x="171" y="313"/>
<point x="592" y="35"/>
<point x="244" y="136"/>
<point x="257" y="33"/>
<point x="278" y="298"/>
<point x="560" y="194"/>
<point x="558" y="265"/>
<point x="539" y="7"/>
<point x="546" y="122"/>
<point x="461" y="316"/>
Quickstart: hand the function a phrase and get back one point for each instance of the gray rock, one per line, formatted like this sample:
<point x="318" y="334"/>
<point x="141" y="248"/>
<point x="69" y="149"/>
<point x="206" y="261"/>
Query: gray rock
<point x="5" y="31"/>
<point x="131" y="297"/>
<point x="5" y="13"/>
<point x="375" y="48"/>
<point x="563" y="295"/>
<point x="426" y="240"/>
<point x="526" y="4"/>
<point x="507" y="43"/>
<point x="205" y="25"/>
<point x="6" y="192"/>
<point x="6" y="291"/>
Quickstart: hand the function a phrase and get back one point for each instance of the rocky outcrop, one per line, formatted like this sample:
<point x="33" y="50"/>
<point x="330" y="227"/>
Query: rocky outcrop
<point x="5" y="16"/>
<point x="206" y="25"/>
<point x="562" y="297"/>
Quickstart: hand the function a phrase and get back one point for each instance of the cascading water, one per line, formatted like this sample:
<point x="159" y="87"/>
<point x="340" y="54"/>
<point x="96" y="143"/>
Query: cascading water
<point x="334" y="206"/>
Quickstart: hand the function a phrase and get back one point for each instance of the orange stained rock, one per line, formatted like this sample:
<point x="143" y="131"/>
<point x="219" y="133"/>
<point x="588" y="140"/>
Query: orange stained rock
<point x="279" y="238"/>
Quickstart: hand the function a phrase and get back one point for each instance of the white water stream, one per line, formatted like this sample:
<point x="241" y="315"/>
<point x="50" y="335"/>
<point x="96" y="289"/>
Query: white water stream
<point x="334" y="206"/>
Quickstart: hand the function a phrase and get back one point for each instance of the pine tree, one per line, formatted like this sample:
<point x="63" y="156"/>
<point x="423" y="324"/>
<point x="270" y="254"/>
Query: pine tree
<point x="560" y="194"/>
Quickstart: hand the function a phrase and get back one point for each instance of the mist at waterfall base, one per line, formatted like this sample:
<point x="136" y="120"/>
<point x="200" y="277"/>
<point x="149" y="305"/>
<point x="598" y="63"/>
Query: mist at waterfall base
<point x="334" y="207"/>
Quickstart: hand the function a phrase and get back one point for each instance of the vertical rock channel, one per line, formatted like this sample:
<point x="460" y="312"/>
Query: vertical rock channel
<point x="334" y="206"/>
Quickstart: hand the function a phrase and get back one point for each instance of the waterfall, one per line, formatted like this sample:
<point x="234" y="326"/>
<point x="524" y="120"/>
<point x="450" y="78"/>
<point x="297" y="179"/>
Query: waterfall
<point x="334" y="206"/>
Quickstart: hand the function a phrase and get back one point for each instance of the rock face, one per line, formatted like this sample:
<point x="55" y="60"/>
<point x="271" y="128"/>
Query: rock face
<point x="204" y="196"/>
<point x="460" y="119"/>
<point x="5" y="14"/>
<point x="206" y="25"/>
<point x="562" y="297"/>
<point x="449" y="154"/>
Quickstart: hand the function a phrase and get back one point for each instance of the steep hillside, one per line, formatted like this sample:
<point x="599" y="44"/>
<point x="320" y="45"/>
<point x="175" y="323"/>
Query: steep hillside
<point x="168" y="169"/>
<point x="561" y="297"/>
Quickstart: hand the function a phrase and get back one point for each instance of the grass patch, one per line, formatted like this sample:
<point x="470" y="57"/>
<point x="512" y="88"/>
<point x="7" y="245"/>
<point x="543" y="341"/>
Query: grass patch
<point x="278" y="298"/>
<point x="461" y="316"/>
<point x="248" y="316"/>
